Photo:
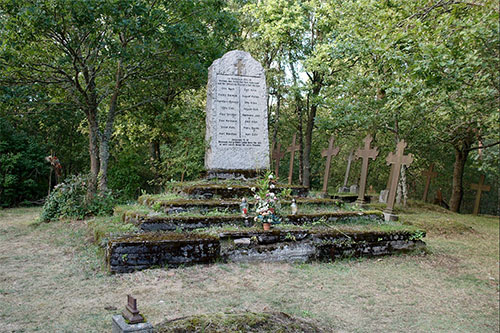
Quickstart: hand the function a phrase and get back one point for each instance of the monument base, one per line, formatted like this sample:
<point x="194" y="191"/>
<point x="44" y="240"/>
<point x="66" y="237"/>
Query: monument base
<point x="121" y="326"/>
<point x="242" y="174"/>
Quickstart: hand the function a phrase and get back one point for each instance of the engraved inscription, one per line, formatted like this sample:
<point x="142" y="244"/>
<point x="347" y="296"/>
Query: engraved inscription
<point x="239" y="117"/>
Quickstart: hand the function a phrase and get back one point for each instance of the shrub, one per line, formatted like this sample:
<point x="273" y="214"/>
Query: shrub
<point x="68" y="199"/>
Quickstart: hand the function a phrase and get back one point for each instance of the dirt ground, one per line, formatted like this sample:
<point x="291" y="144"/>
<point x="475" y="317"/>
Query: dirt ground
<point x="52" y="280"/>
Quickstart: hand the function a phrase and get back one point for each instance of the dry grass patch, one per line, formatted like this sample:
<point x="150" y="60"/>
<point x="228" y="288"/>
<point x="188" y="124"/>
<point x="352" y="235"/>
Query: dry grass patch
<point x="51" y="280"/>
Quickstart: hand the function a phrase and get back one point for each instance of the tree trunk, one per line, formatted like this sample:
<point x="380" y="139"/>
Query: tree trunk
<point x="457" y="191"/>
<point x="300" y="111"/>
<point x="108" y="131"/>
<point x="93" y="152"/>
<point x="309" y="130"/>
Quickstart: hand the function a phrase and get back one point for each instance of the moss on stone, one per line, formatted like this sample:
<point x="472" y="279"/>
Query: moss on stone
<point x="163" y="237"/>
<point x="238" y="322"/>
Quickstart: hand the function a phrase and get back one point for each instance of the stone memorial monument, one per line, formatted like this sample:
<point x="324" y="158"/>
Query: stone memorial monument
<point x="236" y="134"/>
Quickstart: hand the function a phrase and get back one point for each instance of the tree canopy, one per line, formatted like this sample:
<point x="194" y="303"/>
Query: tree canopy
<point x="116" y="88"/>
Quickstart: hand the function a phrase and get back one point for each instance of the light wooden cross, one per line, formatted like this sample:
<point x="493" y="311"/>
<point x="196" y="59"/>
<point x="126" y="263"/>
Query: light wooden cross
<point x="429" y="174"/>
<point x="277" y="156"/>
<point x="348" y="169"/>
<point x="292" y="149"/>
<point x="479" y="188"/>
<point x="328" y="153"/>
<point x="365" y="154"/>
<point x="240" y="66"/>
<point x="397" y="159"/>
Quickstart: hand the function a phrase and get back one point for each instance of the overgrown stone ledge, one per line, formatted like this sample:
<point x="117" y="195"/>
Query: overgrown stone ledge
<point x="156" y="222"/>
<point x="208" y="191"/>
<point x="324" y="245"/>
<point x="127" y="254"/>
<point x="131" y="253"/>
<point x="188" y="205"/>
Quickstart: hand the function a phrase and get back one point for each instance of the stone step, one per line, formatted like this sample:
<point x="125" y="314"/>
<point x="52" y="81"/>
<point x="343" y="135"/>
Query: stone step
<point x="207" y="191"/>
<point x="151" y="222"/>
<point x="127" y="254"/>
<point x="226" y="205"/>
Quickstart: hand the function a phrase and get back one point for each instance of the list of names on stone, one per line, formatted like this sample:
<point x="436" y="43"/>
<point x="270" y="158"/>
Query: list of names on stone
<point x="239" y="120"/>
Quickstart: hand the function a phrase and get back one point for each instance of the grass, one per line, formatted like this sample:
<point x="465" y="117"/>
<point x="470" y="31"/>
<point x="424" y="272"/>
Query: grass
<point x="51" y="280"/>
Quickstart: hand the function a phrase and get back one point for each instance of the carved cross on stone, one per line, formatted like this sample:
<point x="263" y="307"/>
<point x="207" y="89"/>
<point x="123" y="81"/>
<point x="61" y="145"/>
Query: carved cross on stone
<point x="328" y="153"/>
<point x="239" y="66"/>
<point x="277" y="156"/>
<point x="397" y="159"/>
<point x="479" y="188"/>
<point x="292" y="149"/>
<point x="365" y="154"/>
<point x="131" y="314"/>
<point x="429" y="174"/>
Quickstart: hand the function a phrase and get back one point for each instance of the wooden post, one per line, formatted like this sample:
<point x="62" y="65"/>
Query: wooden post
<point x="429" y="174"/>
<point x="292" y="149"/>
<point x="348" y="169"/>
<point x="328" y="153"/>
<point x="479" y="188"/>
<point x="277" y="156"/>
<point x="397" y="159"/>
<point x="365" y="154"/>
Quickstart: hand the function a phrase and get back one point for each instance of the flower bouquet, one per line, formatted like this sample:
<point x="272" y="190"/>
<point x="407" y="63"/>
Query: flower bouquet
<point x="266" y="203"/>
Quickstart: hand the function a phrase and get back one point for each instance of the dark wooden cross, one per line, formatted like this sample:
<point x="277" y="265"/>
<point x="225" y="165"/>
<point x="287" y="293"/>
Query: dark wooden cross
<point x="292" y="149"/>
<point x="277" y="156"/>
<point x="131" y="314"/>
<point x="365" y="154"/>
<point x="328" y="153"/>
<point x="397" y="159"/>
<point x="479" y="188"/>
<point x="429" y="174"/>
<point x="240" y="65"/>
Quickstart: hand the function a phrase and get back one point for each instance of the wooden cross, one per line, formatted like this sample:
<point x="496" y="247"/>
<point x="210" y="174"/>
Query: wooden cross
<point x="365" y="154"/>
<point x="397" y="159"/>
<point x="240" y="66"/>
<point x="292" y="149"/>
<point x="277" y="156"/>
<point x="479" y="188"/>
<point x="328" y="153"/>
<point x="349" y="161"/>
<point x="429" y="174"/>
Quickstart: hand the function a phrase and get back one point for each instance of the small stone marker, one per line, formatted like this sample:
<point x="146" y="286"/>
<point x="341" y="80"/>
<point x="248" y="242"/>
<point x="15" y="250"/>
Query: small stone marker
<point x="382" y="198"/>
<point x="479" y="188"/>
<point x="131" y="320"/>
<point x="429" y="174"/>
<point x="365" y="154"/>
<point x="278" y="154"/>
<point x="353" y="188"/>
<point x="397" y="159"/>
<point x="328" y="153"/>
<point x="237" y="131"/>
<point x="131" y="313"/>
<point x="292" y="149"/>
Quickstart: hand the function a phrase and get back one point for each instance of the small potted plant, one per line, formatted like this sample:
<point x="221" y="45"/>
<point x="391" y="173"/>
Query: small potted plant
<point x="266" y="203"/>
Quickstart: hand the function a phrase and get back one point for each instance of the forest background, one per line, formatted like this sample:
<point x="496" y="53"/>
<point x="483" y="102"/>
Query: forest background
<point x="116" y="89"/>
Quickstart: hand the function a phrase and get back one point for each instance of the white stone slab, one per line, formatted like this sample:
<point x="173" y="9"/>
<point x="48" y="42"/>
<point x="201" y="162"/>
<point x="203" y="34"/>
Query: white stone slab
<point x="237" y="133"/>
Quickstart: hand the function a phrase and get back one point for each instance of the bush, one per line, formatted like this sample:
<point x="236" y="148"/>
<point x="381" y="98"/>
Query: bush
<point x="68" y="199"/>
